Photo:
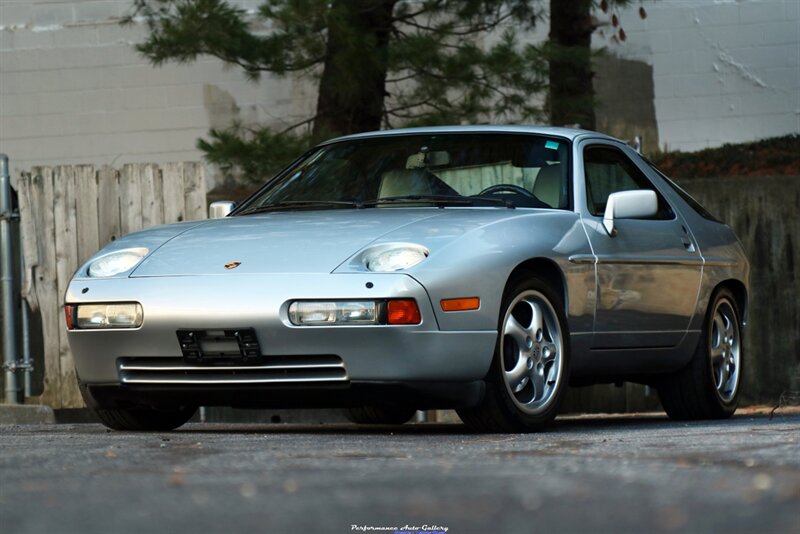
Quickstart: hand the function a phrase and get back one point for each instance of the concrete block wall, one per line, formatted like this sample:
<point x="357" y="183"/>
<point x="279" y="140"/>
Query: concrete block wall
<point x="724" y="71"/>
<point x="73" y="90"/>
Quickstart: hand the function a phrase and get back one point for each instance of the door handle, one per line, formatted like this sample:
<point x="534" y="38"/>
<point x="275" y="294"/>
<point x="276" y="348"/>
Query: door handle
<point x="687" y="242"/>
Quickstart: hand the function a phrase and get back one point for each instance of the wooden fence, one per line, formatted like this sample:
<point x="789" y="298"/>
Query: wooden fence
<point x="68" y="213"/>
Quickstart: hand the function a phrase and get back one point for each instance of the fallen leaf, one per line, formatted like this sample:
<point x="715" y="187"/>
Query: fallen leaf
<point x="176" y="480"/>
<point x="290" y="486"/>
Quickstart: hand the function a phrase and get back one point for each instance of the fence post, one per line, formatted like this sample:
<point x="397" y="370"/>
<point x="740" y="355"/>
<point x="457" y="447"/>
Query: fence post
<point x="27" y="360"/>
<point x="7" y="285"/>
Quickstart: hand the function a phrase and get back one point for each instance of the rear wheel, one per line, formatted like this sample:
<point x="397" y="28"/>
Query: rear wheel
<point x="379" y="415"/>
<point x="529" y="373"/>
<point x="708" y="388"/>
<point x="143" y="419"/>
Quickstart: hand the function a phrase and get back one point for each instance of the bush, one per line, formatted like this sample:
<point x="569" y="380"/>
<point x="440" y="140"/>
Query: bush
<point x="777" y="156"/>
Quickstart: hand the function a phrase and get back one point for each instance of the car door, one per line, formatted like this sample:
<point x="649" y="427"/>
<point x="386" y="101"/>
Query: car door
<point x="648" y="274"/>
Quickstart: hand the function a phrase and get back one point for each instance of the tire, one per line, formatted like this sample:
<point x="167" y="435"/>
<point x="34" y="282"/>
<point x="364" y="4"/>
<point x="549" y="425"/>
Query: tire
<point x="379" y="415"/>
<point x="530" y="369"/>
<point x="708" y="387"/>
<point x="143" y="419"/>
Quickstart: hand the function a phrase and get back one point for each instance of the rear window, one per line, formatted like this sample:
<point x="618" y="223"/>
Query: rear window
<point x="695" y="205"/>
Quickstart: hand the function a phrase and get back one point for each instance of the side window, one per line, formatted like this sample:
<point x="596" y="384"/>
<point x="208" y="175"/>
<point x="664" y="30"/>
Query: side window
<point x="608" y="171"/>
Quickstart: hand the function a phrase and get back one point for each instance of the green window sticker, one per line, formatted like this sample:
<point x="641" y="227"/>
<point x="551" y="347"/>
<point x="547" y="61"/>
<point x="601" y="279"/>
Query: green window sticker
<point x="551" y="145"/>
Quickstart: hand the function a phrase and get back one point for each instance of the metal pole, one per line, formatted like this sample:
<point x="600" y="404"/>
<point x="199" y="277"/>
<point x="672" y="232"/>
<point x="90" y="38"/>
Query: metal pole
<point x="7" y="285"/>
<point x="27" y="361"/>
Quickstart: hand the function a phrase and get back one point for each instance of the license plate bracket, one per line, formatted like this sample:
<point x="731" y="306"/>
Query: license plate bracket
<point x="219" y="346"/>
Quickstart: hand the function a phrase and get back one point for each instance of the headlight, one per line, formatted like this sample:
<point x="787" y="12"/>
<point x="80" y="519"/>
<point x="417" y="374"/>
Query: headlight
<point x="354" y="312"/>
<point x="110" y="315"/>
<point x="330" y="313"/>
<point x="394" y="258"/>
<point x="116" y="262"/>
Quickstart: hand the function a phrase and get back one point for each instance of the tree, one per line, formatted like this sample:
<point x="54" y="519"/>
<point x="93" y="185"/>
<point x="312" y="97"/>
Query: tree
<point x="571" y="95"/>
<point x="572" y="23"/>
<point x="379" y="63"/>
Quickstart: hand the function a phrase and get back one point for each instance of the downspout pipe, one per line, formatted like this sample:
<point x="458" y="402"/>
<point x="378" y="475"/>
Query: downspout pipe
<point x="7" y="286"/>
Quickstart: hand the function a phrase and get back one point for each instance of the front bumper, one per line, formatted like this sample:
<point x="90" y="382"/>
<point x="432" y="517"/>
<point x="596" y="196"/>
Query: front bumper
<point x="368" y="354"/>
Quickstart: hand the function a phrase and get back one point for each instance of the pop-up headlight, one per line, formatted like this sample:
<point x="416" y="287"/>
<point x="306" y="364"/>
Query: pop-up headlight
<point x="383" y="259"/>
<point x="116" y="262"/>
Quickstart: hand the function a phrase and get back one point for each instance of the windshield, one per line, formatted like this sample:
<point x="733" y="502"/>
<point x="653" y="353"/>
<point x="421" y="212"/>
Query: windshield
<point x="502" y="170"/>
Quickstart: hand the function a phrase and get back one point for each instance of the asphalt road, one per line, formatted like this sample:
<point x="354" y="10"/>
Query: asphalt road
<point x="644" y="474"/>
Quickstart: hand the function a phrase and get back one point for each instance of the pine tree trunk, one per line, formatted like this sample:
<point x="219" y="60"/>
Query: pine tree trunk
<point x="353" y="82"/>
<point x="571" y="89"/>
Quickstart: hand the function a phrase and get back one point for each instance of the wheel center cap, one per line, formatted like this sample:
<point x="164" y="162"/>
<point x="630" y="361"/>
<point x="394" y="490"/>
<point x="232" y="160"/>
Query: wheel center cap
<point x="536" y="351"/>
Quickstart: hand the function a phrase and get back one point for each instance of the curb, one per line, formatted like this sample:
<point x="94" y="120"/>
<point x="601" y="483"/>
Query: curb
<point x="21" y="414"/>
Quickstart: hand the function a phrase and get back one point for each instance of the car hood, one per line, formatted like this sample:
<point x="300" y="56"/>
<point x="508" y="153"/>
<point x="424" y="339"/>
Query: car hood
<point x="305" y="242"/>
<point x="278" y="242"/>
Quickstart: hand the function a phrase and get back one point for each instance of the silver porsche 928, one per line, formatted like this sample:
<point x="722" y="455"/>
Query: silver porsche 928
<point x="480" y="268"/>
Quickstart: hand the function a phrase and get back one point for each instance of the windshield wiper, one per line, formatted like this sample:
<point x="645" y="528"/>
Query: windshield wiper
<point x="439" y="200"/>
<point x="503" y="201"/>
<point x="301" y="204"/>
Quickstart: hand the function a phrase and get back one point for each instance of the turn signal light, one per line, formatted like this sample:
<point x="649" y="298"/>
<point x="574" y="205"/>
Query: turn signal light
<point x="403" y="311"/>
<point x="69" y="312"/>
<point x="465" y="304"/>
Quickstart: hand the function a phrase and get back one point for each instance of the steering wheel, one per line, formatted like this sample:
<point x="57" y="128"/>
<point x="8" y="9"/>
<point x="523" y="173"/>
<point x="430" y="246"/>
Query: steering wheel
<point x="508" y="188"/>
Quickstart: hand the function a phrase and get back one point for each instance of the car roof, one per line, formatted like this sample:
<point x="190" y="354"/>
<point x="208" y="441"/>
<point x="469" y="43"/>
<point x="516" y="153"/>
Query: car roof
<point x="569" y="133"/>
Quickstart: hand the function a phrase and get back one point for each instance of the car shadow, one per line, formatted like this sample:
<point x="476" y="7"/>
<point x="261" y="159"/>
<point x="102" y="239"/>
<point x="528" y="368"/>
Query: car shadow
<point x="567" y="424"/>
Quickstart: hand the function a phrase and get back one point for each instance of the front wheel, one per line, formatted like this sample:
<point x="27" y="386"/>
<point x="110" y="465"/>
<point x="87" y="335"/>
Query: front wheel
<point x="143" y="419"/>
<point x="530" y="369"/>
<point x="708" y="388"/>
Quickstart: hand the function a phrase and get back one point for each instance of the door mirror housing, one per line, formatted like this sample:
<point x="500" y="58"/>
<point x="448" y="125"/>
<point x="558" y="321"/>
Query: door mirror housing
<point x="220" y="209"/>
<point x="639" y="204"/>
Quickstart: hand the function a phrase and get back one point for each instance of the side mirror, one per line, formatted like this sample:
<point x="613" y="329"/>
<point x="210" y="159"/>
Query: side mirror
<point x="220" y="209"/>
<point x="638" y="204"/>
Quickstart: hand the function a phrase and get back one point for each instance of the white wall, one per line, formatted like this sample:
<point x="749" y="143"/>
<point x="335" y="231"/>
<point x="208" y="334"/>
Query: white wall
<point x="724" y="70"/>
<point x="73" y="90"/>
